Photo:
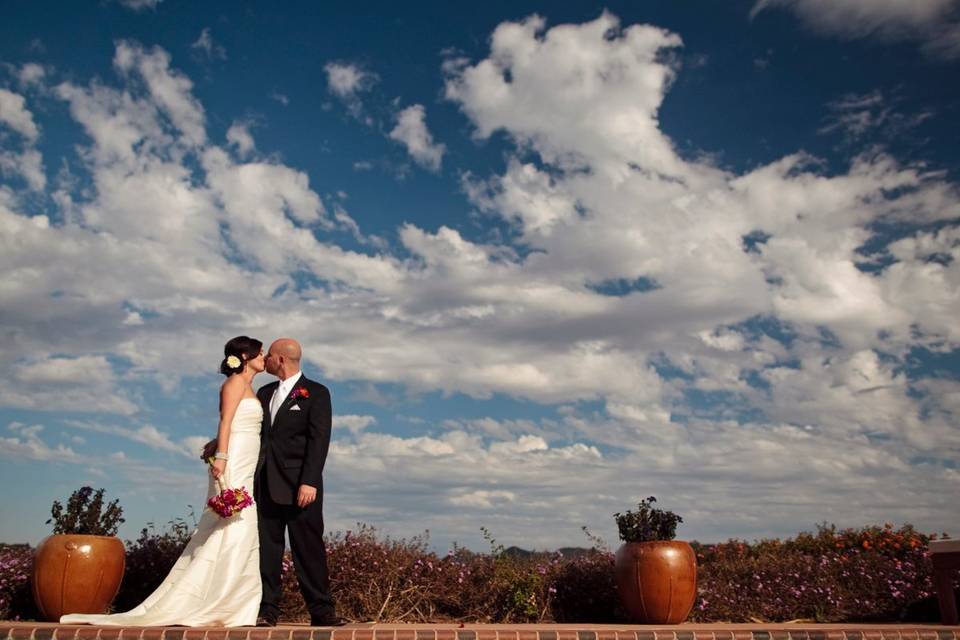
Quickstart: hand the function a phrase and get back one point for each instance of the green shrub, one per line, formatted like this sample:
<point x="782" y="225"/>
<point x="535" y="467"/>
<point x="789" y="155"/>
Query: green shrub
<point x="85" y="514"/>
<point x="647" y="523"/>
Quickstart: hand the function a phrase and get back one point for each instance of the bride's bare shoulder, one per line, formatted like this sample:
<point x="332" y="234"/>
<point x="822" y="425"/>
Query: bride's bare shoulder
<point x="232" y="385"/>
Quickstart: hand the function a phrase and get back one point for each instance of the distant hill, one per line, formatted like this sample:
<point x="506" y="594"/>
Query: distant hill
<point x="566" y="552"/>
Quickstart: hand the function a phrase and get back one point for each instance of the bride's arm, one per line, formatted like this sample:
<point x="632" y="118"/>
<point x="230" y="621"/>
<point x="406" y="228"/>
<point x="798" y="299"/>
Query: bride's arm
<point x="231" y="393"/>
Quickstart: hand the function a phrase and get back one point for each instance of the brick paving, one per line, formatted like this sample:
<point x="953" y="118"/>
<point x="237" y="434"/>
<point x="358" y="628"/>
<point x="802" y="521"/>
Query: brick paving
<point x="371" y="631"/>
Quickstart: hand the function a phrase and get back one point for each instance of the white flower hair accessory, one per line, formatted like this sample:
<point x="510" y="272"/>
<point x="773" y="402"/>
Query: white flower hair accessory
<point x="233" y="362"/>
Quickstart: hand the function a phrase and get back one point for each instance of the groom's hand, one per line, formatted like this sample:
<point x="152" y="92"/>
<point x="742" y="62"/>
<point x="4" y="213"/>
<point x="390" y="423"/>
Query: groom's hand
<point x="208" y="450"/>
<point x="306" y="496"/>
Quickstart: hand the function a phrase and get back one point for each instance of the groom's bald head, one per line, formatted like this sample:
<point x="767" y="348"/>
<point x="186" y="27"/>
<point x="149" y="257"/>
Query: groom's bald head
<point x="287" y="347"/>
<point x="283" y="358"/>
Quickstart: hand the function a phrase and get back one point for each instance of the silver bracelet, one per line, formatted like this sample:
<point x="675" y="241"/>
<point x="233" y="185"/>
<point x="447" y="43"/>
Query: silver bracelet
<point x="220" y="455"/>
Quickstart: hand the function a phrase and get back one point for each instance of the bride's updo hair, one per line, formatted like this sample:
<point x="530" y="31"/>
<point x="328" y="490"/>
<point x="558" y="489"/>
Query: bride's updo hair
<point x="242" y="348"/>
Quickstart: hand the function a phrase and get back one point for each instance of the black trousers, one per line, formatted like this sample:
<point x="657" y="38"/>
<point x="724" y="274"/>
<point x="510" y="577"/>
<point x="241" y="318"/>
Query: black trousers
<point x="309" y="553"/>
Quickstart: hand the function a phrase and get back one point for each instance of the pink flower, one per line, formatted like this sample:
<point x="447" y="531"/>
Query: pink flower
<point x="230" y="502"/>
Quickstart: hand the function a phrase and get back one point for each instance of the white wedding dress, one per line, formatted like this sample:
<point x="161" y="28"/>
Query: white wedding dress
<point x="216" y="580"/>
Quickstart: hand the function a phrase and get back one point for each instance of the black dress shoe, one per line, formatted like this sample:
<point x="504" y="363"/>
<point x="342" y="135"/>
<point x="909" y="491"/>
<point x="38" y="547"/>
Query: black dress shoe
<point x="266" y="621"/>
<point x="328" y="620"/>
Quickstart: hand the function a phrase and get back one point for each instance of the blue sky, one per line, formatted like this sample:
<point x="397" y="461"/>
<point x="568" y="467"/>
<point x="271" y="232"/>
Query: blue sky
<point x="551" y="258"/>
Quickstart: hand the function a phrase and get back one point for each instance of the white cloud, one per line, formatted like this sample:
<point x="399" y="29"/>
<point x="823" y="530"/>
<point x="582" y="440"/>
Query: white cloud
<point x="193" y="445"/>
<point x="28" y="445"/>
<point x="59" y="370"/>
<point x="602" y="96"/>
<point x="240" y="137"/>
<point x="169" y="89"/>
<point x="267" y="206"/>
<point x="131" y="473"/>
<point x="483" y="499"/>
<point x="528" y="481"/>
<point x="930" y="21"/>
<point x="353" y="423"/>
<point x="148" y="435"/>
<point x="347" y="81"/>
<point x="31" y="73"/>
<point x="856" y="115"/>
<point x="140" y="5"/>
<point x="175" y="243"/>
<point x="56" y="383"/>
<point x="945" y="42"/>
<point x="626" y="206"/>
<point x="14" y="114"/>
<point x="347" y="223"/>
<point x="28" y="164"/>
<point x="210" y="49"/>
<point x="411" y="131"/>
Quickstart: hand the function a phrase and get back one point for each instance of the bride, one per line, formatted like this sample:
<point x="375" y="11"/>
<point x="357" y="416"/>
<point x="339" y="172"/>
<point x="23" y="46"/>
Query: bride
<point x="216" y="580"/>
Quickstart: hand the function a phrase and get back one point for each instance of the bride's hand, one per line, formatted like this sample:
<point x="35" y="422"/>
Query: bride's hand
<point x="217" y="468"/>
<point x="208" y="450"/>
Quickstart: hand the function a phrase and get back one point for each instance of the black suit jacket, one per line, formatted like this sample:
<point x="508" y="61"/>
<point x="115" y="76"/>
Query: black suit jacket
<point x="293" y="448"/>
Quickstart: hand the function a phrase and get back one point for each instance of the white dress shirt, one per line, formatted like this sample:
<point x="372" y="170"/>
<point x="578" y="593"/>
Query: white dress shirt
<point x="284" y="389"/>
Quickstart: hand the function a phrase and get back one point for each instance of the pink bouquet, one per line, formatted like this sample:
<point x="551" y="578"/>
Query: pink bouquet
<point x="229" y="502"/>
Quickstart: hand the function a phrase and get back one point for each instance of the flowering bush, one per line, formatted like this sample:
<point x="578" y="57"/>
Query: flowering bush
<point x="521" y="586"/>
<point x="375" y="579"/>
<point x="292" y="606"/>
<point x="586" y="590"/>
<point x="871" y="573"/>
<point x="16" y="563"/>
<point x="371" y="579"/>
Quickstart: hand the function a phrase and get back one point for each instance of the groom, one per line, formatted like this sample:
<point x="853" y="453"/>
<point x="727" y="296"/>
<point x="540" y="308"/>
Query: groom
<point x="288" y="486"/>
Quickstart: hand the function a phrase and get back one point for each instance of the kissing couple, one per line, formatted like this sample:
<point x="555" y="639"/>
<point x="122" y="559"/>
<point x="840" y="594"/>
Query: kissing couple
<point x="275" y="440"/>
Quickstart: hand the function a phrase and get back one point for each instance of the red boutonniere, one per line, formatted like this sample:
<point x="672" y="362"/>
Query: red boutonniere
<point x="299" y="392"/>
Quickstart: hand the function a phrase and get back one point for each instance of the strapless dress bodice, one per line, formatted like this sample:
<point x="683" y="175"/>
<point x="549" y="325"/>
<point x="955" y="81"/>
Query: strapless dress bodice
<point x="248" y="417"/>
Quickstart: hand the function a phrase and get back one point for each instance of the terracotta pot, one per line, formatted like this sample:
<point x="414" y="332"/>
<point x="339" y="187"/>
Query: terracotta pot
<point x="76" y="574"/>
<point x="657" y="580"/>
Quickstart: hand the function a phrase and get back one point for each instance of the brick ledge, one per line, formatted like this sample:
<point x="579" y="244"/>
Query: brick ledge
<point x="452" y="631"/>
